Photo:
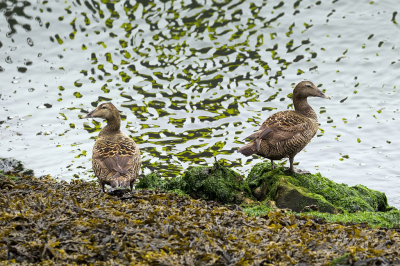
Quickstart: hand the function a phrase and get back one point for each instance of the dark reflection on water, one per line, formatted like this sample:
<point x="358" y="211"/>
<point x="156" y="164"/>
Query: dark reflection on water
<point x="192" y="78"/>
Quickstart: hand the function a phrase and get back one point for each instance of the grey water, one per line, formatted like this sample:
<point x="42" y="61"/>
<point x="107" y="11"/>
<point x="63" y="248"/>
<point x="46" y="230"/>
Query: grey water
<point x="192" y="79"/>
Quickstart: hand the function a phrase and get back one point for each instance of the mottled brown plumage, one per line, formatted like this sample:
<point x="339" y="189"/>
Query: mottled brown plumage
<point x="286" y="133"/>
<point x="116" y="157"/>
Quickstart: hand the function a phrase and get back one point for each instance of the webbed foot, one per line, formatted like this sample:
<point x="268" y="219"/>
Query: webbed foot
<point x="302" y="172"/>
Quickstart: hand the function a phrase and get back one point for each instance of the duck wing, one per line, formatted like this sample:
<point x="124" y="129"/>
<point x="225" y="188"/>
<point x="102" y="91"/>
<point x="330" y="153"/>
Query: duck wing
<point x="279" y="127"/>
<point x="116" y="156"/>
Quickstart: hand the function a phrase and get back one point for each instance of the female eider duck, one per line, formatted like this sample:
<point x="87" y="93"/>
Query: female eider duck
<point x="286" y="133"/>
<point x="116" y="157"/>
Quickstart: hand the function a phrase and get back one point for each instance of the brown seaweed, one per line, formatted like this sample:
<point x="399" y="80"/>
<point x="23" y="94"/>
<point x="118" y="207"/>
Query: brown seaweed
<point x="49" y="222"/>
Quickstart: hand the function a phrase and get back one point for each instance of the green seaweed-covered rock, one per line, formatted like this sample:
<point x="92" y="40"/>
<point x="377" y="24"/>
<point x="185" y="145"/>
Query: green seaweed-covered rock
<point x="275" y="185"/>
<point x="213" y="183"/>
<point x="152" y="181"/>
<point x="300" y="190"/>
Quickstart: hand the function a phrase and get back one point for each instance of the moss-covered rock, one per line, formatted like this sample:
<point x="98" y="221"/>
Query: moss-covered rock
<point x="267" y="183"/>
<point x="300" y="190"/>
<point x="295" y="191"/>
<point x="217" y="183"/>
<point x="214" y="183"/>
<point x="152" y="181"/>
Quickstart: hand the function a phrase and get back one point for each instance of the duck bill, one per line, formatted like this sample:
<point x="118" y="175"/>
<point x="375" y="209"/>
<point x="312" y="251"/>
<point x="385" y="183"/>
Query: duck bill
<point x="322" y="95"/>
<point x="89" y="115"/>
<point x="325" y="96"/>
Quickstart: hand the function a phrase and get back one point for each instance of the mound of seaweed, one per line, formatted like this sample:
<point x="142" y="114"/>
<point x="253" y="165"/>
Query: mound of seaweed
<point x="210" y="183"/>
<point x="49" y="222"/>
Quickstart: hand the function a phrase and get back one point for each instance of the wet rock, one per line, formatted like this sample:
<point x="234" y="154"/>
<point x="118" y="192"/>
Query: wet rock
<point x="300" y="190"/>
<point x="296" y="199"/>
<point x="8" y="165"/>
<point x="210" y="183"/>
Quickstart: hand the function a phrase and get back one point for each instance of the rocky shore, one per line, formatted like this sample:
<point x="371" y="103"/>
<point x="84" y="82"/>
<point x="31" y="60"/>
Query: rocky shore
<point x="47" y="222"/>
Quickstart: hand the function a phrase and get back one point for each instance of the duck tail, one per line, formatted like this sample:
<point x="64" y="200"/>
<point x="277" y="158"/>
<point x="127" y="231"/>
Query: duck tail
<point x="248" y="149"/>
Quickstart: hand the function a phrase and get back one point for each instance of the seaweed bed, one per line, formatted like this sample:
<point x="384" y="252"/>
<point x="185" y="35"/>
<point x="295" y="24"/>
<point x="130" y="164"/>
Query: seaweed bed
<point x="47" y="222"/>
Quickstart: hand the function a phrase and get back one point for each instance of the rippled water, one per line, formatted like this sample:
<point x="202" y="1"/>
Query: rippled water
<point x="193" y="78"/>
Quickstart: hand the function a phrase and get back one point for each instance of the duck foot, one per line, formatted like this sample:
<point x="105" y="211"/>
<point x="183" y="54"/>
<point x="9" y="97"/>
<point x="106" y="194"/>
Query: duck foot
<point x="302" y="172"/>
<point x="297" y="171"/>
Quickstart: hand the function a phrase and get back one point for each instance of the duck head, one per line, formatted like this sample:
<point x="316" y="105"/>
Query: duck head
<point x="106" y="111"/>
<point x="307" y="89"/>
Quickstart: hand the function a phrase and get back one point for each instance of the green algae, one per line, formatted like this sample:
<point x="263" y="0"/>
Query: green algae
<point x="324" y="192"/>
<point x="389" y="219"/>
<point x="264" y="184"/>
<point x="263" y="189"/>
<point x="152" y="181"/>
<point x="215" y="182"/>
<point x="11" y="177"/>
<point x="155" y="182"/>
<point x="275" y="185"/>
<point x="261" y="209"/>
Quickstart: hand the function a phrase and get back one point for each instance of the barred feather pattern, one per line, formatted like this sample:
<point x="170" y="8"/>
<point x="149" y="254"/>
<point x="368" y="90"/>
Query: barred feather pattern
<point x="288" y="132"/>
<point x="116" y="160"/>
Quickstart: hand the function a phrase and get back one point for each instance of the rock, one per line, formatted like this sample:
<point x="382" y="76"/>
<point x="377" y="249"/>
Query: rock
<point x="297" y="191"/>
<point x="152" y="181"/>
<point x="296" y="199"/>
<point x="215" y="183"/>
<point x="11" y="165"/>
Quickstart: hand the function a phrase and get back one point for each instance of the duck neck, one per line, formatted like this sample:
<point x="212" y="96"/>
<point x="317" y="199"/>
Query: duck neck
<point x="113" y="125"/>
<point x="301" y="106"/>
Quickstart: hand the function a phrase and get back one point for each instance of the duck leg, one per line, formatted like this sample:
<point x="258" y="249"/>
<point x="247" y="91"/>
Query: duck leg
<point x="298" y="171"/>
<point x="291" y="164"/>
<point x="272" y="163"/>
<point x="102" y="186"/>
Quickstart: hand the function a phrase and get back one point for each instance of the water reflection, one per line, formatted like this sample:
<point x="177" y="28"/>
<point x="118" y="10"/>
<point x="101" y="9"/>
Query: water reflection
<point x="192" y="78"/>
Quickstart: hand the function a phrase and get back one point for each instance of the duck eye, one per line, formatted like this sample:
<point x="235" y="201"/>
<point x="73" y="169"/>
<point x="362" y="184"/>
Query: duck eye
<point x="308" y="85"/>
<point x="104" y="107"/>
